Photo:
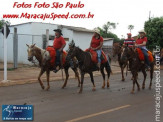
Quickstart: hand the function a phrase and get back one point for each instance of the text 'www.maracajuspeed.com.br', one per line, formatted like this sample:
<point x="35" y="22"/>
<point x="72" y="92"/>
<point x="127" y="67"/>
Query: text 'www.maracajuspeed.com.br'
<point x="49" y="16"/>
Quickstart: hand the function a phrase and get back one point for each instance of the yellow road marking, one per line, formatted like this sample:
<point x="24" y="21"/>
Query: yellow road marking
<point x="99" y="113"/>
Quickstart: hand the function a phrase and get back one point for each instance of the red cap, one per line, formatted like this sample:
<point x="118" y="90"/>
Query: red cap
<point x="129" y="34"/>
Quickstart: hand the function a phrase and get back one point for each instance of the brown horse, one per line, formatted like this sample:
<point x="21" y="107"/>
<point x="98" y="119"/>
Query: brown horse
<point x="123" y="62"/>
<point x="45" y="65"/>
<point x="137" y="66"/>
<point x="87" y="66"/>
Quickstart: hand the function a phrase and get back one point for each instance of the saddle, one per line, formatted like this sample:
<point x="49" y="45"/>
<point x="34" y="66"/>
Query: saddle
<point x="141" y="55"/>
<point x="95" y="58"/>
<point x="52" y="53"/>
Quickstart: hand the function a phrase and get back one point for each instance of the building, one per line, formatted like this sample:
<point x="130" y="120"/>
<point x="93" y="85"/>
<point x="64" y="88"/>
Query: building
<point x="107" y="45"/>
<point x="40" y="33"/>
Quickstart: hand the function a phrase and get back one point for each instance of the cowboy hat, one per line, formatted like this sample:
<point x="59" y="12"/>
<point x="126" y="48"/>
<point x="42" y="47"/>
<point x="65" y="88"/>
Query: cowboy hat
<point x="142" y="31"/>
<point x="59" y="31"/>
<point x="97" y="31"/>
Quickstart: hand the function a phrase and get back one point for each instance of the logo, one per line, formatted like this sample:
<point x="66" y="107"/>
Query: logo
<point x="17" y="112"/>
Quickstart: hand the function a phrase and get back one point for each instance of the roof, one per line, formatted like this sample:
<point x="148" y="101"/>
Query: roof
<point x="108" y="39"/>
<point x="80" y="29"/>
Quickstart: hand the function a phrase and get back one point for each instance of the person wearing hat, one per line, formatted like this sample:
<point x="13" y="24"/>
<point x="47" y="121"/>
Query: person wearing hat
<point x="96" y="45"/>
<point x="58" y="44"/>
<point x="141" y="43"/>
<point x="129" y="41"/>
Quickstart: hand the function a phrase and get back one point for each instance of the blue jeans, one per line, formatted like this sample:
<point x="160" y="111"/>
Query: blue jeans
<point x="57" y="57"/>
<point x="145" y="56"/>
<point x="99" y="55"/>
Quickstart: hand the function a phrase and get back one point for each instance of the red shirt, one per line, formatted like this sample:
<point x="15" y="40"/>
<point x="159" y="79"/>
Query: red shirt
<point x="96" y="42"/>
<point x="141" y="40"/>
<point x="58" y="42"/>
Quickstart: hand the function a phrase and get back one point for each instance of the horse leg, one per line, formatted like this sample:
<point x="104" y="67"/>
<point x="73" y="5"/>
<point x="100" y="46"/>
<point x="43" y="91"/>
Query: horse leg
<point x="108" y="73"/>
<point x="151" y="75"/>
<point x="92" y="80"/>
<point x="133" y="88"/>
<point x="82" y="80"/>
<point x="103" y="76"/>
<point x="39" y="78"/>
<point x="47" y="75"/>
<point x="77" y="75"/>
<point x="122" y="69"/>
<point x="145" y="75"/>
<point x="134" y="81"/>
<point x="67" y="76"/>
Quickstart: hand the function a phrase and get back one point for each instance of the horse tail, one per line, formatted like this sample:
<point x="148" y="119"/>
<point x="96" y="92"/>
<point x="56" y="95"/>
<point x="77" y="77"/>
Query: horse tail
<point x="108" y="67"/>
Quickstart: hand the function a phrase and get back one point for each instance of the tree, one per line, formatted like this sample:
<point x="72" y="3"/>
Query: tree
<point x="108" y="26"/>
<point x="2" y="22"/>
<point x="130" y="27"/>
<point x="154" y="31"/>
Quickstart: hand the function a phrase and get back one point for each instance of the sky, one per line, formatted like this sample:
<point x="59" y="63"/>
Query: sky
<point x="123" y="12"/>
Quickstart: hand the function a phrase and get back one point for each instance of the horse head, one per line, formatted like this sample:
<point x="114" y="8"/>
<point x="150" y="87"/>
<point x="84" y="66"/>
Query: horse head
<point x="117" y="48"/>
<point x="30" y="51"/>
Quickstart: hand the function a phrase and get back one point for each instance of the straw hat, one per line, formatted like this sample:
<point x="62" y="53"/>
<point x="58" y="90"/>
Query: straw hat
<point x="97" y="31"/>
<point x="142" y="31"/>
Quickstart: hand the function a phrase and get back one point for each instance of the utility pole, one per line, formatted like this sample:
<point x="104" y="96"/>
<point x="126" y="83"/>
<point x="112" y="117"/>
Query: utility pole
<point x="5" y="53"/>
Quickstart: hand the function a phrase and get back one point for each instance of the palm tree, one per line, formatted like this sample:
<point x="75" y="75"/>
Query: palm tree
<point x="130" y="27"/>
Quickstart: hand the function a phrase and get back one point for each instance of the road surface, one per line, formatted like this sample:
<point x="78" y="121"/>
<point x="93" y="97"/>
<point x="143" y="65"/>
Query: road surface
<point x="115" y="104"/>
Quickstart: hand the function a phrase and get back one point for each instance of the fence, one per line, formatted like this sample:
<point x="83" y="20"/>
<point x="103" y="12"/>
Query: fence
<point x="17" y="49"/>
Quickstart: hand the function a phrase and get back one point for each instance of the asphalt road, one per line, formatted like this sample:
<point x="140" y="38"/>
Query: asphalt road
<point x="115" y="104"/>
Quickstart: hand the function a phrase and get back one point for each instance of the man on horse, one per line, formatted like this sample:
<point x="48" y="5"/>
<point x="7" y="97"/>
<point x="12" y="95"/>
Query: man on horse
<point x="130" y="42"/>
<point x="96" y="45"/>
<point x="141" y="43"/>
<point x="58" y="44"/>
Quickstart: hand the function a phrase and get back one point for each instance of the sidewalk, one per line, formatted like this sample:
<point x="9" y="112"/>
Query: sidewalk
<point x="28" y="74"/>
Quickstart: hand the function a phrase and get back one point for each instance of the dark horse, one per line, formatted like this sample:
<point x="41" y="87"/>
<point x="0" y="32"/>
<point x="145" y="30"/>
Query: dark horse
<point x="123" y="61"/>
<point x="137" y="66"/>
<point x="43" y="57"/>
<point x="87" y="66"/>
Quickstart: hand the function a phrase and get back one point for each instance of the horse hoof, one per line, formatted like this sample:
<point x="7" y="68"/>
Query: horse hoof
<point x="143" y="87"/>
<point x="150" y="88"/>
<point x="103" y="87"/>
<point x="47" y="88"/>
<point x="138" y="89"/>
<point x="80" y="91"/>
<point x="63" y="87"/>
<point x="132" y="92"/>
<point x="42" y="87"/>
<point x="123" y="79"/>
<point x="94" y="89"/>
<point x="108" y="85"/>
<point x="78" y="85"/>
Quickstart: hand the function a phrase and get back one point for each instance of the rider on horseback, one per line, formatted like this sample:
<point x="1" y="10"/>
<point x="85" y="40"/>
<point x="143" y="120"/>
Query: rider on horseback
<point x="141" y="43"/>
<point x="96" y="45"/>
<point x="58" y="44"/>
<point x="130" y="42"/>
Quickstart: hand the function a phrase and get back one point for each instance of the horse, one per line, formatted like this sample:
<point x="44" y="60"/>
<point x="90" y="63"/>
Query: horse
<point x="137" y="65"/>
<point x="86" y="65"/>
<point x="123" y="62"/>
<point x="45" y="65"/>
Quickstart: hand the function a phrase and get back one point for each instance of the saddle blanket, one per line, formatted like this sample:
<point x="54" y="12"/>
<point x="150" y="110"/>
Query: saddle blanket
<point x="95" y="58"/>
<point x="52" y="53"/>
<point x="141" y="55"/>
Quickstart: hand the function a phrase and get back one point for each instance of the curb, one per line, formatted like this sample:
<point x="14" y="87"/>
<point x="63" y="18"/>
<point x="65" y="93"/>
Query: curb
<point x="30" y="81"/>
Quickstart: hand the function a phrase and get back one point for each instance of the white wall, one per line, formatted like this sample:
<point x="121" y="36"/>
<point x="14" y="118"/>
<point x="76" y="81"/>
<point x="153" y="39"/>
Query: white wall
<point x="108" y="43"/>
<point x="82" y="39"/>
